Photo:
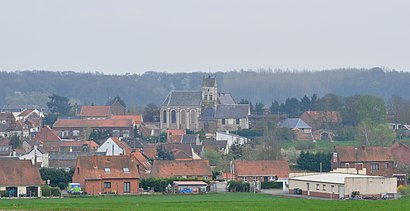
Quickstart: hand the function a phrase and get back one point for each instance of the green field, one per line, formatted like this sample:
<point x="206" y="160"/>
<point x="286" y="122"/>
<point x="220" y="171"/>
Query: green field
<point x="228" y="201"/>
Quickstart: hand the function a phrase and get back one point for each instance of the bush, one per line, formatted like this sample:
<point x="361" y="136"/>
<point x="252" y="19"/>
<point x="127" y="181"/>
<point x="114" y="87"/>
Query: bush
<point x="62" y="185"/>
<point x="160" y="184"/>
<point x="271" y="185"/>
<point x="3" y="193"/>
<point x="46" y="190"/>
<point x="238" y="186"/>
<point x="404" y="190"/>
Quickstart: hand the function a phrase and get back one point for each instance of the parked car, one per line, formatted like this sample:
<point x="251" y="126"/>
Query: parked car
<point x="186" y="190"/>
<point x="74" y="188"/>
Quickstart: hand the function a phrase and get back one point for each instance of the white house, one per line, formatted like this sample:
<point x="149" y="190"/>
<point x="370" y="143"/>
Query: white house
<point x="113" y="146"/>
<point x="230" y="138"/>
<point x="37" y="155"/>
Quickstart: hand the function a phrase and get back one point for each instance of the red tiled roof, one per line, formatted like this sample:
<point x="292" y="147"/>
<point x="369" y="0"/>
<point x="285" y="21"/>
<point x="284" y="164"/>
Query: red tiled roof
<point x="150" y="151"/>
<point x="176" y="132"/>
<point x="400" y="153"/>
<point x="95" y="111"/>
<point x="47" y="134"/>
<point x="363" y="154"/>
<point x="175" y="168"/>
<point x="144" y="163"/>
<point x="279" y="168"/>
<point x="25" y="112"/>
<point x="91" y="144"/>
<point x="93" y="167"/>
<point x="19" y="173"/>
<point x="84" y="123"/>
<point x="136" y="118"/>
<point x="316" y="118"/>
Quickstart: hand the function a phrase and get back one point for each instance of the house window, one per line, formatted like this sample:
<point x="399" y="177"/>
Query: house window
<point x="386" y="165"/>
<point x="317" y="186"/>
<point x="78" y="171"/>
<point x="127" y="187"/>
<point x="324" y="187"/>
<point x="184" y="177"/>
<point x="375" y="166"/>
<point x="273" y="178"/>
<point x="205" y="97"/>
<point x="244" y="179"/>
<point x="3" y="121"/>
<point x="126" y="133"/>
<point x="107" y="184"/>
<point x="116" y="133"/>
<point x="107" y="170"/>
<point x="255" y="179"/>
<point x="76" y="133"/>
<point x="347" y="165"/>
<point x="205" y="177"/>
<point x="210" y="97"/>
<point x="173" y="116"/>
<point x="164" y="117"/>
<point x="238" y="121"/>
<point x="223" y="121"/>
<point x="126" y="170"/>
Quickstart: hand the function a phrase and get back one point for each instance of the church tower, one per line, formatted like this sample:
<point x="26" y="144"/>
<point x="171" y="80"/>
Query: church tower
<point x="209" y="91"/>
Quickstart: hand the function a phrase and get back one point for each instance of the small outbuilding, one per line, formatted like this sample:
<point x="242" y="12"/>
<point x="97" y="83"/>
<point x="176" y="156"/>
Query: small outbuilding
<point x="190" y="186"/>
<point x="338" y="185"/>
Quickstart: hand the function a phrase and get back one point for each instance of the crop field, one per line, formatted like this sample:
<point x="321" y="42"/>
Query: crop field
<point x="228" y="201"/>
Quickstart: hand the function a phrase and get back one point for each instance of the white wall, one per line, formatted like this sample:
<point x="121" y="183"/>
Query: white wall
<point x="231" y="138"/>
<point x="370" y="185"/>
<point x="108" y="147"/>
<point x="36" y="154"/>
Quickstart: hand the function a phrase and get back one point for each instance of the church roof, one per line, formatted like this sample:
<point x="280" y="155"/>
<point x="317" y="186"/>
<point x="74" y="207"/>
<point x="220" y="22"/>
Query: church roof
<point x="225" y="99"/>
<point x="209" y="81"/>
<point x="183" y="98"/>
<point x="236" y="111"/>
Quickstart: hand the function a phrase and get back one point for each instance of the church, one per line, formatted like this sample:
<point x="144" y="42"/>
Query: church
<point x="205" y="109"/>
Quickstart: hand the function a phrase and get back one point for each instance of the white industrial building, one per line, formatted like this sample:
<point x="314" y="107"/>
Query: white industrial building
<point x="338" y="185"/>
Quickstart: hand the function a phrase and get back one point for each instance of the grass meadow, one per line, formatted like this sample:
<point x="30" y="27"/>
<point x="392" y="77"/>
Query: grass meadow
<point x="220" y="201"/>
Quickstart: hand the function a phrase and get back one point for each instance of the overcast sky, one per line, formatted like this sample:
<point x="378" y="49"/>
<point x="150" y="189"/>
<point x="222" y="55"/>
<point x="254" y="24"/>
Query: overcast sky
<point x="183" y="36"/>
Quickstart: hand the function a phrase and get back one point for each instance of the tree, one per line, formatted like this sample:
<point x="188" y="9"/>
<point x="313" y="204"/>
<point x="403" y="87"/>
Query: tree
<point x="271" y="146"/>
<point x="58" y="104"/>
<point x="15" y="141"/>
<point x="313" y="161"/>
<point x="236" y="150"/>
<point x="57" y="177"/>
<point x="274" y="107"/>
<point x="306" y="104"/>
<point x="151" y="113"/>
<point x="371" y="109"/>
<point x="50" y="118"/>
<point x="259" y="108"/>
<point x="376" y="134"/>
<point x="163" y="154"/>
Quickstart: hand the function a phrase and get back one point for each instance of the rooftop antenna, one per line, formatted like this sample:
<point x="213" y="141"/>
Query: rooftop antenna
<point x="209" y="72"/>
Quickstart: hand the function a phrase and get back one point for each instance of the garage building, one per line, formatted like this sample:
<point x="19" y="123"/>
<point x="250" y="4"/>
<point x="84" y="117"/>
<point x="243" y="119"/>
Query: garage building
<point x="337" y="185"/>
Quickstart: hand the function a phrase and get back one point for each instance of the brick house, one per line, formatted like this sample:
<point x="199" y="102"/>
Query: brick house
<point x="76" y="128"/>
<point x="260" y="170"/>
<point x="107" y="174"/>
<point x="376" y="160"/>
<point x="190" y="169"/>
<point x="95" y="112"/>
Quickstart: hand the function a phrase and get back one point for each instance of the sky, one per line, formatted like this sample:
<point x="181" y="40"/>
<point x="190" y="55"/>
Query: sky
<point x="132" y="36"/>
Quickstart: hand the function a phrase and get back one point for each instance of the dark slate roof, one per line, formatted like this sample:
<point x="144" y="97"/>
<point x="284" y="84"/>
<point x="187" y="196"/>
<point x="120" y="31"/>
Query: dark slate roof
<point x="232" y="111"/>
<point x="208" y="81"/>
<point x="294" y="123"/>
<point x="189" y="139"/>
<point x="208" y="114"/>
<point x="226" y="99"/>
<point x="183" y="98"/>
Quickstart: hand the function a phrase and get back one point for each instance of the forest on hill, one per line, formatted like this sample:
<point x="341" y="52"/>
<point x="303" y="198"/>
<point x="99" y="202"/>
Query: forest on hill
<point x="33" y="87"/>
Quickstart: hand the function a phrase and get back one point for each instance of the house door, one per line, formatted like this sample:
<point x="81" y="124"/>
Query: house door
<point x="265" y="179"/>
<point x="127" y="187"/>
<point x="308" y="189"/>
<point x="341" y="191"/>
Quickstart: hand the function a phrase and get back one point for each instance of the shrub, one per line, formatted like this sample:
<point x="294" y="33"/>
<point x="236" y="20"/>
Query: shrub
<point x="62" y="185"/>
<point x="271" y="185"/>
<point x="404" y="190"/>
<point x="238" y="186"/>
<point x="304" y="145"/>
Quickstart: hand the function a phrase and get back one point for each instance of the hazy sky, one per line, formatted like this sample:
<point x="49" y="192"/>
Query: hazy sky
<point x="176" y="36"/>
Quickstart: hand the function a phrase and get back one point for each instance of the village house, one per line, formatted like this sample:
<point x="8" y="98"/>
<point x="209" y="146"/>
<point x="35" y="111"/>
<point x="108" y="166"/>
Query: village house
<point x="261" y="170"/>
<point x="189" y="169"/>
<point x="136" y="119"/>
<point x="117" y="106"/>
<point x="19" y="178"/>
<point x="37" y="155"/>
<point x="76" y="128"/>
<point x="114" y="146"/>
<point x="184" y="151"/>
<point x="376" y="160"/>
<point x="230" y="138"/>
<point x="143" y="165"/>
<point x="95" y="112"/>
<point x="107" y="174"/>
<point x="300" y="130"/>
<point x="9" y="125"/>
